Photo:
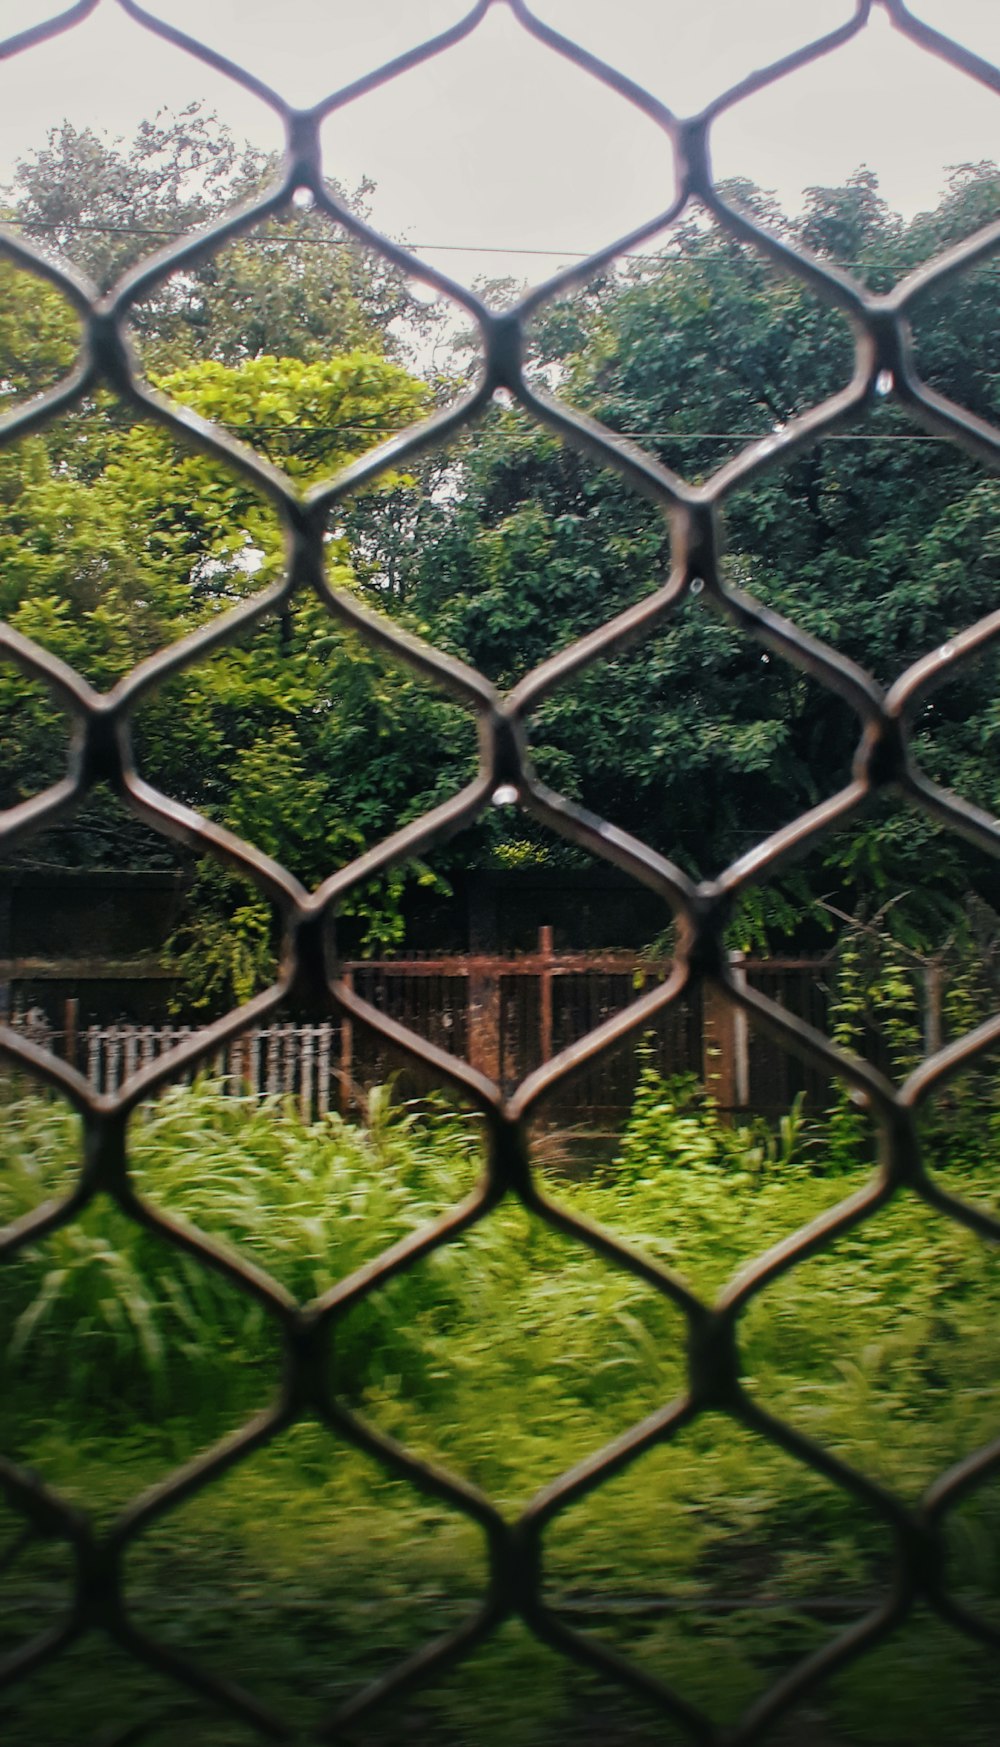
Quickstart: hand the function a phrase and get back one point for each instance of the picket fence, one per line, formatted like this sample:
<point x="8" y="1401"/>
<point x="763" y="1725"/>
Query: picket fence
<point x="506" y="1015"/>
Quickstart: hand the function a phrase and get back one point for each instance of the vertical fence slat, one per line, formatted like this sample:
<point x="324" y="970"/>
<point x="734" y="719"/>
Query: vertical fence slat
<point x="71" y="1025"/>
<point x="288" y="1060"/>
<point x="545" y="993"/>
<point x="112" y="1039"/>
<point x="323" y="1070"/>
<point x="346" y="1052"/>
<point x="308" y="1046"/>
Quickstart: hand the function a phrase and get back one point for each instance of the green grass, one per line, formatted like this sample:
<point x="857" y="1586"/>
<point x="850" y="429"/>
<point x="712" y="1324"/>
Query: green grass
<point x="715" y="1561"/>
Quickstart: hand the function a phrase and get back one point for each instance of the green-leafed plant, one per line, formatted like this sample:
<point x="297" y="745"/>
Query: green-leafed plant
<point x="508" y="1354"/>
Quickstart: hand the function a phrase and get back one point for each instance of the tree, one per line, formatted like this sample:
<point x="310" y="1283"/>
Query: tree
<point x="115" y="540"/>
<point x="701" y="742"/>
<point x="511" y="544"/>
<point x="293" y="287"/>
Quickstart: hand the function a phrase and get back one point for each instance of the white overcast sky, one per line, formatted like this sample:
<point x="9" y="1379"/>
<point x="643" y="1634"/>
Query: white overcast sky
<point x="501" y="142"/>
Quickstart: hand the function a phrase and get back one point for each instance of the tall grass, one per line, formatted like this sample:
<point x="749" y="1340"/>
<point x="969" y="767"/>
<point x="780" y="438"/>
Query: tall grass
<point x="508" y="1354"/>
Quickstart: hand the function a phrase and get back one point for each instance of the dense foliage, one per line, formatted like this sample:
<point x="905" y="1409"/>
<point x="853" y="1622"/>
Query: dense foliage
<point x="291" y="286"/>
<point x="879" y="540"/>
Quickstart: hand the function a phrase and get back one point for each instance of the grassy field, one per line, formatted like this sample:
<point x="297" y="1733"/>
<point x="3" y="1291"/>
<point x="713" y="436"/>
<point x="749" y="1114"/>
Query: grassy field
<point x="715" y="1561"/>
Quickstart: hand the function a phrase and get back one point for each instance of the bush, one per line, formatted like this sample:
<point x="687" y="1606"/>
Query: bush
<point x="509" y="1354"/>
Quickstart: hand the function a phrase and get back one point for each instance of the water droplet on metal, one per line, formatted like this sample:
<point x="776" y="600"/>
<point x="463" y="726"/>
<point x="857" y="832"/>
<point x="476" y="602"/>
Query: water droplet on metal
<point x="504" y="795"/>
<point x="885" y="382"/>
<point x="304" y="199"/>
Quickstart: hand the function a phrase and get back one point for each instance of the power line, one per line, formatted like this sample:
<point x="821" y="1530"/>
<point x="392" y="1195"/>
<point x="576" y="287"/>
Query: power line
<point x="633" y="436"/>
<point x="160" y="234"/>
<point x="463" y="248"/>
<point x="123" y="230"/>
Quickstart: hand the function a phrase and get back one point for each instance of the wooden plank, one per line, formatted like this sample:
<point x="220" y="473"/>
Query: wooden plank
<point x="545" y="953"/>
<point x="86" y="970"/>
<point x="323" y="1069"/>
<point x="71" y="1021"/>
<point x="307" y="1047"/>
<point x="484" y="1022"/>
<point x="346" y="1050"/>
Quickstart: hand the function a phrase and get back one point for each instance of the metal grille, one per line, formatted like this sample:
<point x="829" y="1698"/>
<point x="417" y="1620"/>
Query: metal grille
<point x="101" y="754"/>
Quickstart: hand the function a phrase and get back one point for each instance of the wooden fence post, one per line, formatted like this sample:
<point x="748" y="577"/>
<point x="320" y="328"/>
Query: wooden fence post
<point x="741" y="1036"/>
<point x="272" y="1083"/>
<point x="545" y="992"/>
<point x="346" y="1052"/>
<point x="71" y="1022"/>
<point x="323" y="1070"/>
<point x="725" y="1044"/>
<point x="307" y="1050"/>
<point x="484" y="1020"/>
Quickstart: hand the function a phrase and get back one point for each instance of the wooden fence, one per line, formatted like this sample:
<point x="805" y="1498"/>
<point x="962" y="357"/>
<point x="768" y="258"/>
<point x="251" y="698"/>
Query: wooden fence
<point x="506" y="1015"/>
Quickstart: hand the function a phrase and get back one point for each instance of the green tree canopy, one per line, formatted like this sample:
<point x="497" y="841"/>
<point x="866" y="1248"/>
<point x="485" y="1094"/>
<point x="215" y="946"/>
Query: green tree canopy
<point x="114" y="540"/>
<point x="294" y="287"/>
<point x="881" y="541"/>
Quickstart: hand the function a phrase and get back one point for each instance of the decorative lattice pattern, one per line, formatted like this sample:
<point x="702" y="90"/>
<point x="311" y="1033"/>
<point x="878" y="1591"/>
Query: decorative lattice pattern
<point x="101" y="754"/>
